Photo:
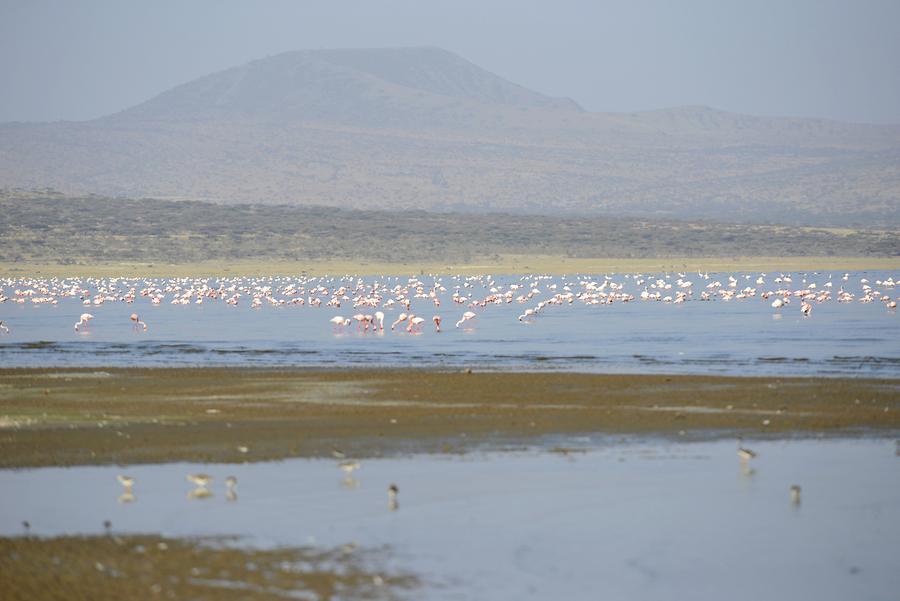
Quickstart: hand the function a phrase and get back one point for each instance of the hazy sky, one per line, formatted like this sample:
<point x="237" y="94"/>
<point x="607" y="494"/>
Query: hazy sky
<point x="820" y="58"/>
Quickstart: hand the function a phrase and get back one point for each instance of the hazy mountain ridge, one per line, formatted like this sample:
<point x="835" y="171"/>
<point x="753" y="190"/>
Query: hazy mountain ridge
<point x="423" y="128"/>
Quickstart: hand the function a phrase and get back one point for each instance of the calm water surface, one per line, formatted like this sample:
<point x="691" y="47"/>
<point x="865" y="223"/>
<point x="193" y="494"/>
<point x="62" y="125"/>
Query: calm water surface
<point x="740" y="336"/>
<point x="625" y="519"/>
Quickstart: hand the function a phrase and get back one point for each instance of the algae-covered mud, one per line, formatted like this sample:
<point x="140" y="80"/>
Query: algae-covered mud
<point x="87" y="416"/>
<point x="112" y="567"/>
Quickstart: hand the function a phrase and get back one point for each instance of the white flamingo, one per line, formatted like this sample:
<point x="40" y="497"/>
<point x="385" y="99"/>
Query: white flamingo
<point x="339" y="321"/>
<point x="83" y="321"/>
<point x="465" y="317"/>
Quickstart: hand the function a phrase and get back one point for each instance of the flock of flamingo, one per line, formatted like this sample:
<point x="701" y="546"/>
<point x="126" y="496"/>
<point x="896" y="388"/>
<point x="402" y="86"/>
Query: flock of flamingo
<point x="473" y="293"/>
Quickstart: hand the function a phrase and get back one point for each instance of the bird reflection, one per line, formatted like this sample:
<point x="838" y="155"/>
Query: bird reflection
<point x="127" y="497"/>
<point x="795" y="495"/>
<point x="231" y="493"/>
<point x="200" y="492"/>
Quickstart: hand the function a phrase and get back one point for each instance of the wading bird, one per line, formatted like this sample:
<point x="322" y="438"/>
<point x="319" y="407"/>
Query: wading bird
<point x="137" y="322"/>
<point x="465" y="317"/>
<point x="83" y="322"/>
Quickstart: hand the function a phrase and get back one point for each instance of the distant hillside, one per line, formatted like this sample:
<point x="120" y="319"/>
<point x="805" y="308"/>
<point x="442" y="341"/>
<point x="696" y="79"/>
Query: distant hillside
<point x="421" y="128"/>
<point x="48" y="228"/>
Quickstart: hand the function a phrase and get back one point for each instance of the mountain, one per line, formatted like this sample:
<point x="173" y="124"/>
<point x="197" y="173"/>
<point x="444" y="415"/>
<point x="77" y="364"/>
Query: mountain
<point x="375" y="87"/>
<point x="422" y="128"/>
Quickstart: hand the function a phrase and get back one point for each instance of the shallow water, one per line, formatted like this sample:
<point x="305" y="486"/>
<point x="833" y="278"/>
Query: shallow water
<point x="737" y="337"/>
<point x="646" y="519"/>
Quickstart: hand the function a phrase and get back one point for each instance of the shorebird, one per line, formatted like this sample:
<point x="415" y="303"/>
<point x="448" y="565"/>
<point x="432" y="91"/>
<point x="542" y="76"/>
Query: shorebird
<point x="27" y="526"/>
<point x="795" y="494"/>
<point x="231" y="493"/>
<point x="3" y="327"/>
<point x="349" y="467"/>
<point x="107" y="525"/>
<point x="199" y="480"/>
<point x="126" y="481"/>
<point x="393" y="504"/>
<point x="744" y="454"/>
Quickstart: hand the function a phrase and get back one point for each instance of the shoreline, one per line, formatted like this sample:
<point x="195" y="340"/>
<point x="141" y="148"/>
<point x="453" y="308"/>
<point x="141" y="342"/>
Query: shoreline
<point x="92" y="416"/>
<point x="502" y="264"/>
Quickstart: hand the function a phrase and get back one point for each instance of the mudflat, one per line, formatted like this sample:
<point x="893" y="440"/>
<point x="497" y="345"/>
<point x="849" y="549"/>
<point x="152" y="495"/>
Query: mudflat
<point x="150" y="566"/>
<point x="60" y="416"/>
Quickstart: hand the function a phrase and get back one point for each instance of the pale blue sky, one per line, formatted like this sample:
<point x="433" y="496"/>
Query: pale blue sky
<point x="62" y="59"/>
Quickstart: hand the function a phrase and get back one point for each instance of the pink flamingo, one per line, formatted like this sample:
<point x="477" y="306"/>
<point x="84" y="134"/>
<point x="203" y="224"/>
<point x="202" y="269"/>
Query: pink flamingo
<point x="379" y="320"/>
<point x="137" y="322"/>
<point x="805" y="308"/>
<point x="437" y="323"/>
<point x="83" y="321"/>
<point x="400" y="318"/>
<point x="415" y="323"/>
<point x="360" y="318"/>
<point x="466" y="317"/>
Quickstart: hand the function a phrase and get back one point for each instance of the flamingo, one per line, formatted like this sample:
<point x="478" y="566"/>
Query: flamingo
<point x="437" y="323"/>
<point x="465" y="317"/>
<point x="137" y="321"/>
<point x="805" y="308"/>
<point x="360" y="318"/>
<point x="379" y="319"/>
<point x="415" y="323"/>
<point x="401" y="317"/>
<point x="528" y="313"/>
<point x="83" y="321"/>
<point x="339" y="322"/>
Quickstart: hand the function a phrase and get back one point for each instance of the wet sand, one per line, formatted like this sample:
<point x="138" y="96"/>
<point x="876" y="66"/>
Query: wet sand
<point x="142" y="415"/>
<point x="151" y="567"/>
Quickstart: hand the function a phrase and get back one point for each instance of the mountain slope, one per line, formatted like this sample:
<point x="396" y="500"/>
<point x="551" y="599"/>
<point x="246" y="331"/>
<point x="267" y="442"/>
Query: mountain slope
<point x="420" y="128"/>
<point x="374" y="87"/>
